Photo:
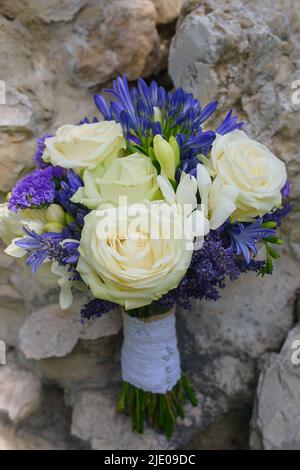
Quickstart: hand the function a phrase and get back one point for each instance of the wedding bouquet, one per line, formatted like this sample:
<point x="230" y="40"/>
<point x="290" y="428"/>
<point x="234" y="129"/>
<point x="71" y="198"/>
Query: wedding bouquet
<point x="147" y="209"/>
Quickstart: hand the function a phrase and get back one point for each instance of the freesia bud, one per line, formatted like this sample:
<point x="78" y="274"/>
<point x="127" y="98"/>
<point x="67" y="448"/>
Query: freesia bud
<point x="55" y="213"/>
<point x="69" y="219"/>
<point x="54" y="227"/>
<point x="165" y="155"/>
<point x="176" y="149"/>
<point x="157" y="114"/>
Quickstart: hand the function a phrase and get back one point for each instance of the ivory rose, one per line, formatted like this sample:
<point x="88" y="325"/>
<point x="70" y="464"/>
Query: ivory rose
<point x="85" y="145"/>
<point x="133" y="177"/>
<point x="132" y="255"/>
<point x="242" y="163"/>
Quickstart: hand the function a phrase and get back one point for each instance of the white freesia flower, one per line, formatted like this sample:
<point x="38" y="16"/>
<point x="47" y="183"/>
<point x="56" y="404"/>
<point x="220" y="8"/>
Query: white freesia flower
<point x="132" y="255"/>
<point x="85" y="145"/>
<point x="240" y="162"/>
<point x="66" y="295"/>
<point x="184" y="200"/>
<point x="133" y="177"/>
<point x="12" y="223"/>
<point x="217" y="198"/>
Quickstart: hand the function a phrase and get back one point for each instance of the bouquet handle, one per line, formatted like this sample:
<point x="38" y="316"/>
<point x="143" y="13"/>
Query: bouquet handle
<point x="153" y="387"/>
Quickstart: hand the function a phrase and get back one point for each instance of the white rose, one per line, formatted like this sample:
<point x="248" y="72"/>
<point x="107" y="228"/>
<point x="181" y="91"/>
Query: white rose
<point x="85" y="145"/>
<point x="12" y="223"/>
<point x="127" y="257"/>
<point x="133" y="176"/>
<point x="252" y="169"/>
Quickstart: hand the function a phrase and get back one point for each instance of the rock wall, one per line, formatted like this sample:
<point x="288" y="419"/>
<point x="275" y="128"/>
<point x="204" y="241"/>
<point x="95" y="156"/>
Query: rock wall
<point x="59" y="387"/>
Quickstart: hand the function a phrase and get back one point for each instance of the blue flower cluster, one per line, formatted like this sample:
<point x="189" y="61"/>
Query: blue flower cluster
<point x="68" y="187"/>
<point x="48" y="246"/>
<point x="180" y="115"/>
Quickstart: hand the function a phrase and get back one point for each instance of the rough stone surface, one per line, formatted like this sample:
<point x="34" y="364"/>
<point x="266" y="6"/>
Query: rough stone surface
<point x="32" y="10"/>
<point x="95" y="53"/>
<point x="52" y="332"/>
<point x="46" y="429"/>
<point x="244" y="53"/>
<point x="247" y="56"/>
<point x="20" y="392"/>
<point x="276" y="418"/>
<point x="228" y="337"/>
<point x="96" y="420"/>
<point x="12" y="312"/>
<point x="167" y="10"/>
<point x="52" y="52"/>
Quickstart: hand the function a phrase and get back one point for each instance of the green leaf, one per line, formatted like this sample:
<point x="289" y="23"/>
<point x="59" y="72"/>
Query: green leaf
<point x="189" y="391"/>
<point x="273" y="253"/>
<point x="274" y="240"/>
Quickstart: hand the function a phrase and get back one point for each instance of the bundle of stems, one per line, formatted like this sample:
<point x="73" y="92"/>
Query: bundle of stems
<point x="160" y="410"/>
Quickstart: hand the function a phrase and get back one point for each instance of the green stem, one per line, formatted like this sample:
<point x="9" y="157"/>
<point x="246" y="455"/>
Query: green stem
<point x="161" y="410"/>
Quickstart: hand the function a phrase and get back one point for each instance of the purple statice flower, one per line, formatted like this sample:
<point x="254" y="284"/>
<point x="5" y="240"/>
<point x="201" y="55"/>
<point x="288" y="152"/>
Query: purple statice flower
<point x="40" y="150"/>
<point x="95" y="308"/>
<point x="207" y="273"/>
<point x="48" y="246"/>
<point x="245" y="236"/>
<point x="209" y="270"/>
<point x="253" y="265"/>
<point x="35" y="190"/>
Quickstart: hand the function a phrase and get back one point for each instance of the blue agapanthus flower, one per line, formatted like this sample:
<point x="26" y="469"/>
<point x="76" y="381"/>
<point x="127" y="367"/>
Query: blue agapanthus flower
<point x="86" y="120"/>
<point x="285" y="191"/>
<point x="68" y="188"/>
<point x="35" y="190"/>
<point x="245" y="236"/>
<point x="48" y="246"/>
<point x="147" y="110"/>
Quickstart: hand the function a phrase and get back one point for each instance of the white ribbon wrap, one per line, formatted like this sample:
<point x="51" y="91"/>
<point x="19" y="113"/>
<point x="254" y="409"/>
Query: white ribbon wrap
<point x="150" y="356"/>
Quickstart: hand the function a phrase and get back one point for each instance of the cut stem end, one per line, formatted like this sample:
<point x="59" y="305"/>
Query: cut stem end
<point x="160" y="410"/>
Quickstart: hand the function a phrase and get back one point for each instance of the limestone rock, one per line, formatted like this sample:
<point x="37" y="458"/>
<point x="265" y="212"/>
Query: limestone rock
<point x="53" y="11"/>
<point x="28" y="101"/>
<point x="96" y="420"/>
<point x="112" y="38"/>
<point x="52" y="332"/>
<point x="276" y="417"/>
<point x="10" y="440"/>
<point x="11" y="320"/>
<point x="12" y="312"/>
<point x="19" y="393"/>
<point x="246" y="55"/>
<point x="252" y="316"/>
<point x="90" y="364"/>
<point x="47" y="429"/>
<point x="167" y="10"/>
